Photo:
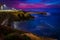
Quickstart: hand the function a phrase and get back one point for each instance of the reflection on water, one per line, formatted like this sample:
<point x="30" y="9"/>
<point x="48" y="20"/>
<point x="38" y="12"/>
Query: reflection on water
<point x="41" y="25"/>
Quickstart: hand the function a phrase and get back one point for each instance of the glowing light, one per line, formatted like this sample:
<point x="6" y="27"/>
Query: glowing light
<point x="13" y="9"/>
<point x="4" y="5"/>
<point x="1" y="7"/>
<point x="48" y="14"/>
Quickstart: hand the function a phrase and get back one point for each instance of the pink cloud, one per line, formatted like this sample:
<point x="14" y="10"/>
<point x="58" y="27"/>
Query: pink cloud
<point x="26" y="5"/>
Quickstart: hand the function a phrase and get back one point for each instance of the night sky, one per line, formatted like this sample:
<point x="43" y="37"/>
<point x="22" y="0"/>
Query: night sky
<point x="32" y="3"/>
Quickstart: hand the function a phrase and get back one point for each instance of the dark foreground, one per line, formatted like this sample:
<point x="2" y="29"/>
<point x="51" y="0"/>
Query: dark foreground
<point x="7" y="33"/>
